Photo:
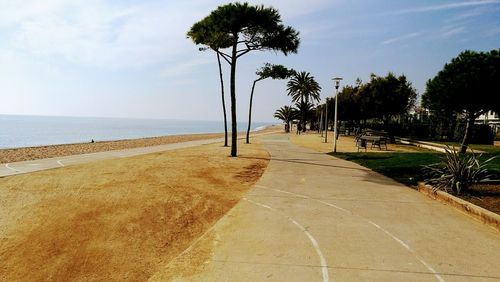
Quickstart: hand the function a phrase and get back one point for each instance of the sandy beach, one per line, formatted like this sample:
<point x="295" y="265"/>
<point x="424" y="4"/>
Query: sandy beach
<point x="120" y="219"/>
<point x="51" y="151"/>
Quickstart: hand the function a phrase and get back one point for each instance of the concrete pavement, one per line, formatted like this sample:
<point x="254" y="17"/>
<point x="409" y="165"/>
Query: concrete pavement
<point x="42" y="164"/>
<point x="312" y="217"/>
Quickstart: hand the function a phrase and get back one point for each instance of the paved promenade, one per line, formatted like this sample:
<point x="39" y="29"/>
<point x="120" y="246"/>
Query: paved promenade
<point x="42" y="164"/>
<point x="313" y="217"/>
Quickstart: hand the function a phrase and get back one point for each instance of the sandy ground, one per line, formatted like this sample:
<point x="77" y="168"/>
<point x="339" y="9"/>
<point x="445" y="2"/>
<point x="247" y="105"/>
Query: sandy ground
<point x="118" y="219"/>
<point x="313" y="140"/>
<point x="41" y="152"/>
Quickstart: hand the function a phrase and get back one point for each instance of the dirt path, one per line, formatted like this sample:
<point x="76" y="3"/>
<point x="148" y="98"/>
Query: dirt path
<point x="118" y="219"/>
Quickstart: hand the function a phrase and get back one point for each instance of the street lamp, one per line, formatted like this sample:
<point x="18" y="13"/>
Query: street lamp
<point x="326" y="120"/>
<point x="337" y="82"/>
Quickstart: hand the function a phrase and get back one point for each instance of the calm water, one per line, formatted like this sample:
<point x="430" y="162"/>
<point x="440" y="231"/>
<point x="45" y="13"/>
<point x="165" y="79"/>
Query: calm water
<point x="25" y="131"/>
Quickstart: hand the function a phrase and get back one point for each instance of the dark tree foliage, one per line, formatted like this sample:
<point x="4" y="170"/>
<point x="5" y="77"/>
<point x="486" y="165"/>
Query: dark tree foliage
<point x="468" y="85"/>
<point x="267" y="71"/>
<point x="387" y="97"/>
<point x="350" y="104"/>
<point x="307" y="112"/>
<point x="240" y="28"/>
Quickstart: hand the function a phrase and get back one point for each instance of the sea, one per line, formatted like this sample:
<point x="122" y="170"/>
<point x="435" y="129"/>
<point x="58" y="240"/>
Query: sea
<point x="26" y="131"/>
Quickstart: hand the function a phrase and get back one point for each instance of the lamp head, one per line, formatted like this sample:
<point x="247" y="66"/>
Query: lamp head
<point x="337" y="81"/>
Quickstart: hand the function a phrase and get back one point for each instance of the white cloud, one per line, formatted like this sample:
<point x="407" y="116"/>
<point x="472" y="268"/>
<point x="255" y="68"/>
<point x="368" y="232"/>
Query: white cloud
<point x="448" y="32"/>
<point x="448" y="6"/>
<point x="114" y="34"/>
<point x="400" y="38"/>
<point x="101" y="34"/>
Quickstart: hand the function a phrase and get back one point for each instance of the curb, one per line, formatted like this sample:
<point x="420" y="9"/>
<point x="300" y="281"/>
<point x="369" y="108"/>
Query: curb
<point x="487" y="217"/>
<point x="428" y="145"/>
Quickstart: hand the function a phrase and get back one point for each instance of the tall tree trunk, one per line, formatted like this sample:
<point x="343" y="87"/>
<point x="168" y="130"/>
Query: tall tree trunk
<point x="223" y="100"/>
<point x="468" y="130"/>
<point x="234" y="126"/>
<point x="250" y="112"/>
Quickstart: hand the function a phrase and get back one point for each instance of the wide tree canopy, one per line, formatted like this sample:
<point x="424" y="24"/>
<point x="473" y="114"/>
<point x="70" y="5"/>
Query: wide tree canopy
<point x="388" y="96"/>
<point x="468" y="85"/>
<point x="235" y="29"/>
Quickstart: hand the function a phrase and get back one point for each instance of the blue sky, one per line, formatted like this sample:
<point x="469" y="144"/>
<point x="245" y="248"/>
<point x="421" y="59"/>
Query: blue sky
<point x="132" y="58"/>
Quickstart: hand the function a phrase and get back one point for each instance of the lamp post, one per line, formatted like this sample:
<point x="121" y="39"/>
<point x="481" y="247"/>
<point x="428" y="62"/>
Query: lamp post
<point x="326" y="120"/>
<point x="320" y="125"/>
<point x="337" y="82"/>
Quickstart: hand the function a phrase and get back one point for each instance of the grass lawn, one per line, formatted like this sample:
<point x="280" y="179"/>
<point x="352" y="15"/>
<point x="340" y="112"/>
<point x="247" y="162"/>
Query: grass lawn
<point x="492" y="149"/>
<point x="404" y="167"/>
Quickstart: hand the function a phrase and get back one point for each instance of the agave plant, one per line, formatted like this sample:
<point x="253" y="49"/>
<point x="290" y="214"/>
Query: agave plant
<point x="457" y="172"/>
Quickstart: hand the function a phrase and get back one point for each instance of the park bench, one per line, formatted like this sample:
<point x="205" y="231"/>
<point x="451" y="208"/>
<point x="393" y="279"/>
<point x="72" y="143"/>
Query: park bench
<point x="376" y="141"/>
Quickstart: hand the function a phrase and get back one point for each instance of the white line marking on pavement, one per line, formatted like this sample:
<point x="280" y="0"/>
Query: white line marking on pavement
<point x="16" y="170"/>
<point x="33" y="164"/>
<point x="401" y="242"/>
<point x="324" y="266"/>
<point x="60" y="162"/>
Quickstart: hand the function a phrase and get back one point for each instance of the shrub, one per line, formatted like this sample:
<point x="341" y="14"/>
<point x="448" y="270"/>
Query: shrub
<point x="457" y="171"/>
<point x="481" y="134"/>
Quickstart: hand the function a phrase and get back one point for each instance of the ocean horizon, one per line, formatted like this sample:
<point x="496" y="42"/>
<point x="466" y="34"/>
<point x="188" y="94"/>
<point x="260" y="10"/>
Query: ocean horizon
<point x="17" y="131"/>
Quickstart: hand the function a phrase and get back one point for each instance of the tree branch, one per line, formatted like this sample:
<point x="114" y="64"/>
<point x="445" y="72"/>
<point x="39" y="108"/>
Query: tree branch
<point x="244" y="51"/>
<point x="223" y="55"/>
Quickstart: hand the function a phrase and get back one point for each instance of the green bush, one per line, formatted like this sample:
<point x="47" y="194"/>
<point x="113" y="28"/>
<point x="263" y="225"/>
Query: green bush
<point x="457" y="171"/>
<point x="481" y="134"/>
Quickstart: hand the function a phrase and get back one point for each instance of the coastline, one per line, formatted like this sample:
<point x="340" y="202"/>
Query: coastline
<point x="60" y="150"/>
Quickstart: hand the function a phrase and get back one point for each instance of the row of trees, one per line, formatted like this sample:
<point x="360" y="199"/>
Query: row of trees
<point x="383" y="98"/>
<point x="466" y="88"/>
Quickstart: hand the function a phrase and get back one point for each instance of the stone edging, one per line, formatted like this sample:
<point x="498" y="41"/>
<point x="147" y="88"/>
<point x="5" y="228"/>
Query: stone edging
<point x="490" y="218"/>
<point x="428" y="145"/>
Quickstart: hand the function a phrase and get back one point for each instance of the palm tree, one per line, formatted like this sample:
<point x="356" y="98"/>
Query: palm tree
<point x="286" y="114"/>
<point x="302" y="88"/>
<point x="307" y="111"/>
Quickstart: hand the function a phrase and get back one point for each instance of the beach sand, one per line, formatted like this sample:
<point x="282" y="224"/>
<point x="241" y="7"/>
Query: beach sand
<point x="119" y="219"/>
<point x="51" y="151"/>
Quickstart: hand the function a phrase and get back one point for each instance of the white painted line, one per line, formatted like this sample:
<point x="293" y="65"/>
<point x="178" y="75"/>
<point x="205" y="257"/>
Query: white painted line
<point x="324" y="266"/>
<point x="304" y="197"/>
<point x="401" y="242"/>
<point x="60" y="162"/>
<point x="7" y="166"/>
<point x="33" y="164"/>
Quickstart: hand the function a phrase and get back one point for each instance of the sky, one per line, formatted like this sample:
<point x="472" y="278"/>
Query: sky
<point x="131" y="58"/>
